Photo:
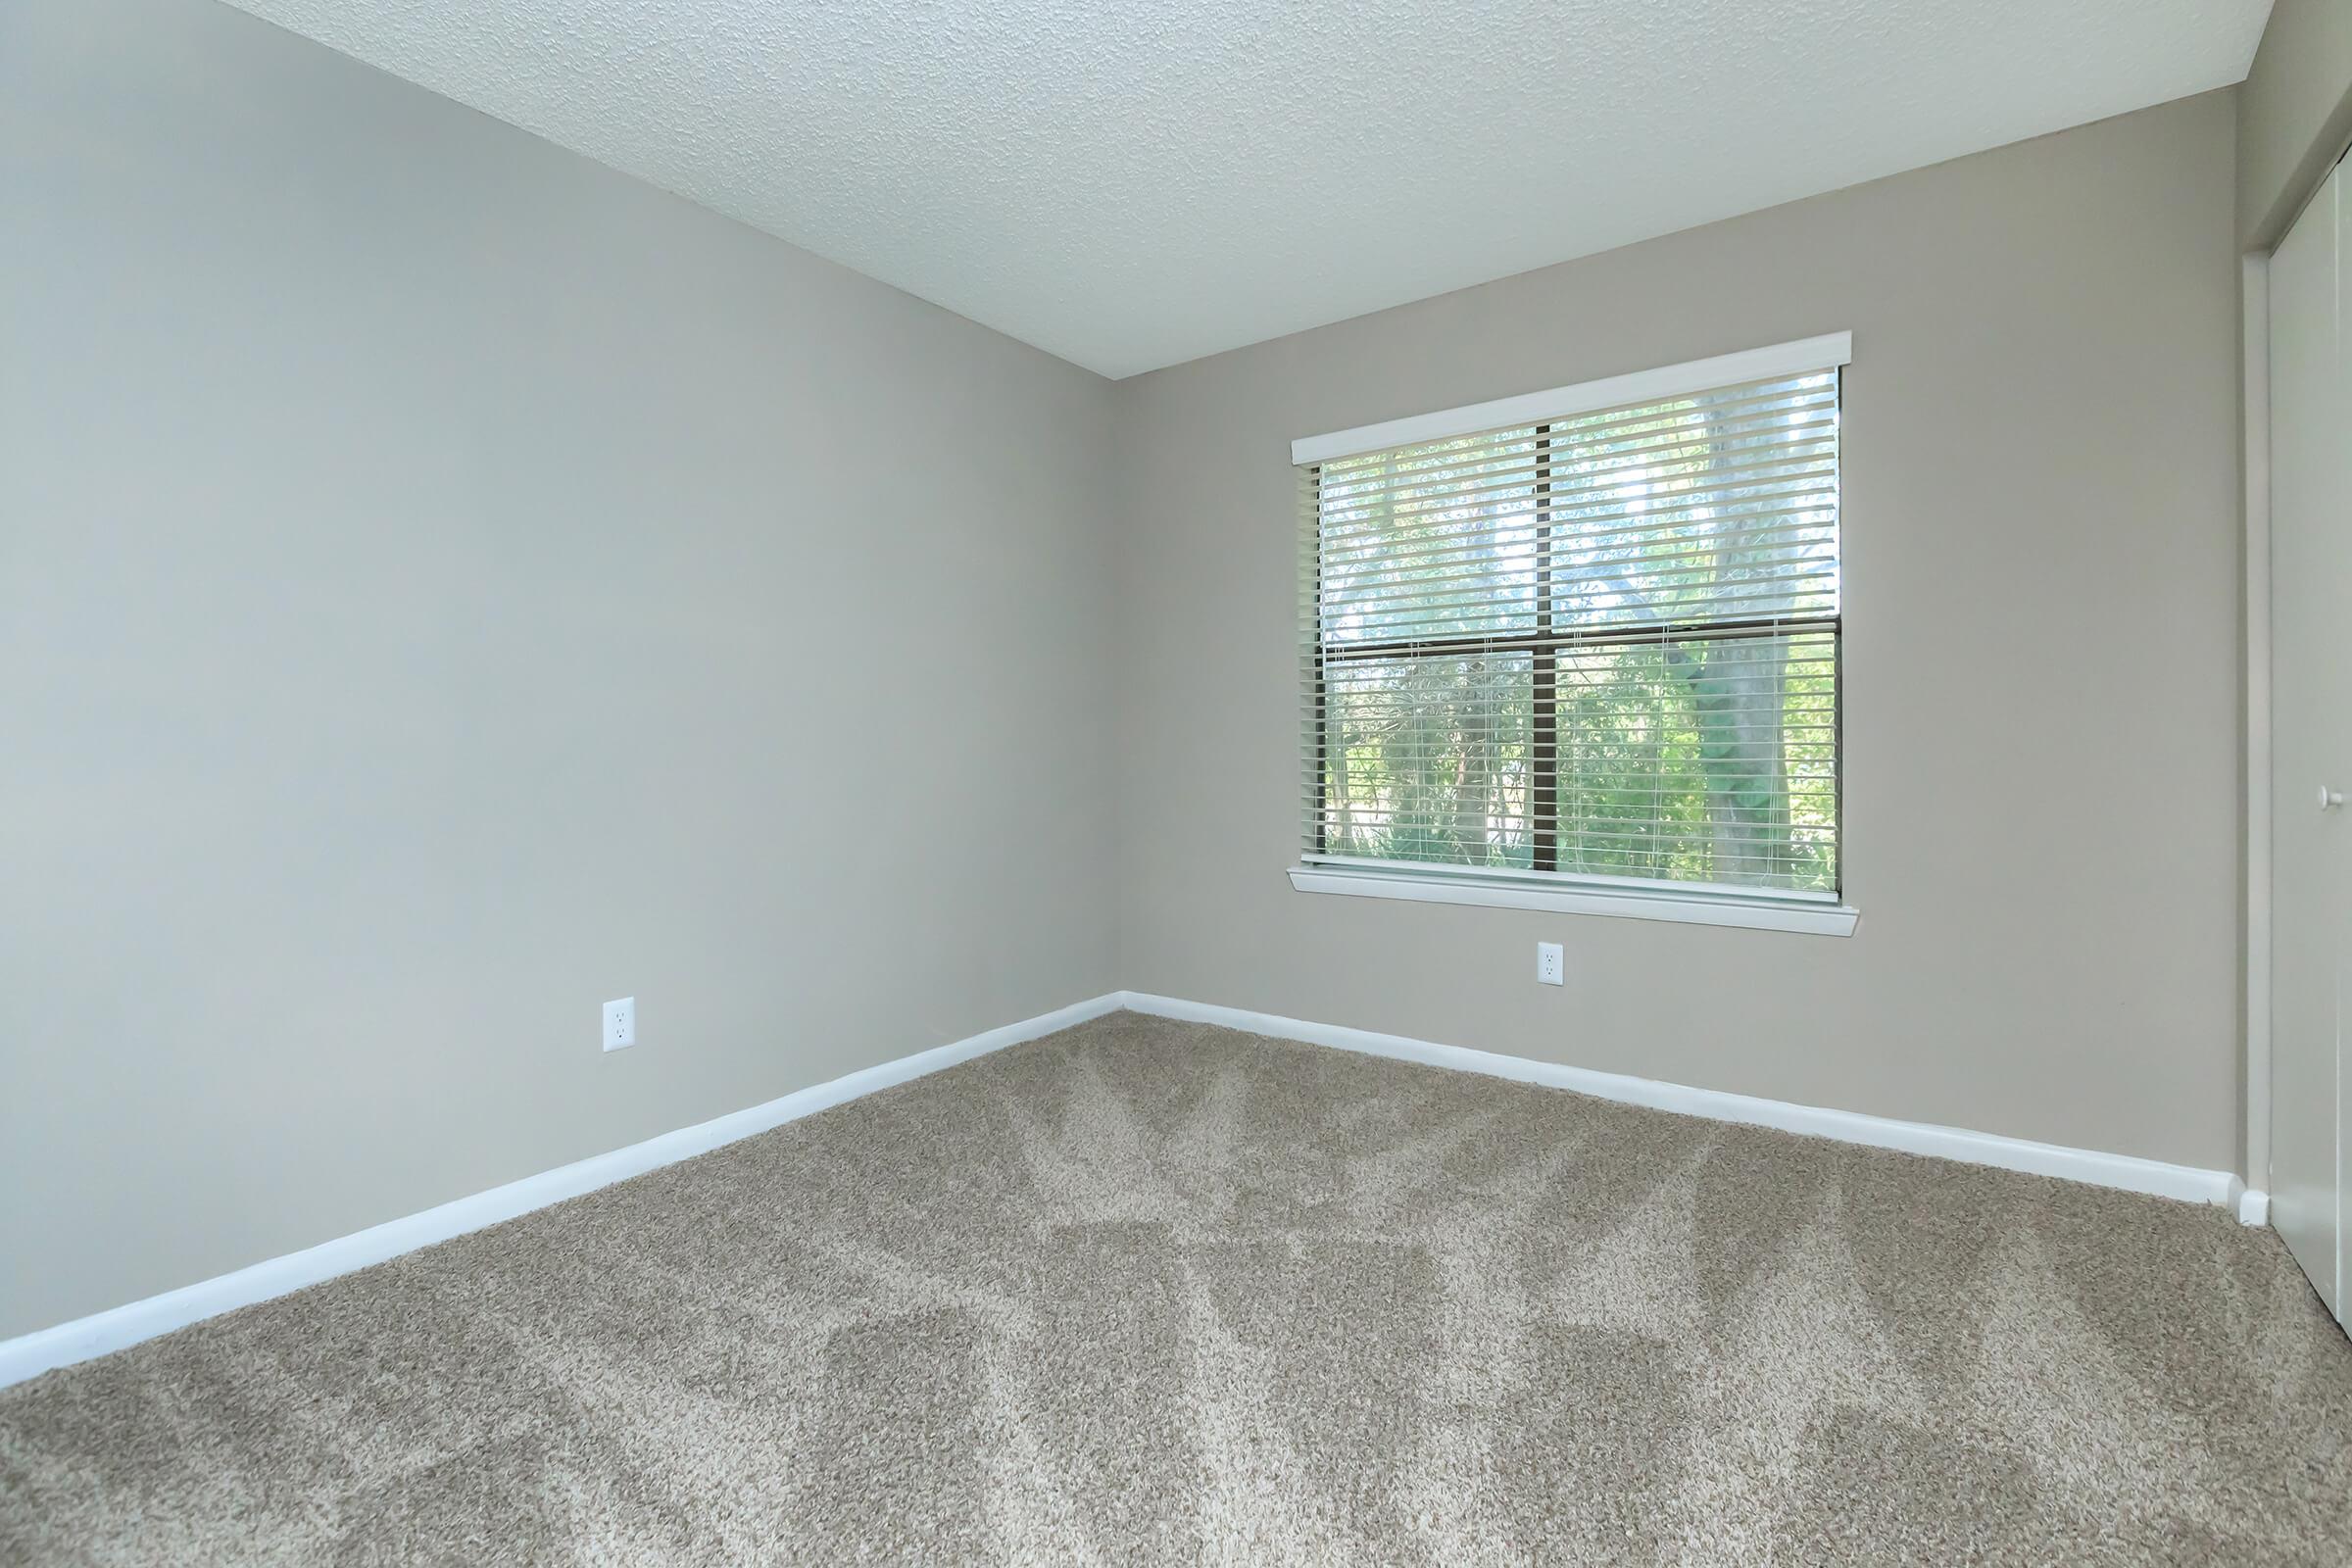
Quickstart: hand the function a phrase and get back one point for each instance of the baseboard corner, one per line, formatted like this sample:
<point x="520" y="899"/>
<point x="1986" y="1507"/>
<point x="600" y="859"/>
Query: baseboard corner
<point x="2095" y="1167"/>
<point x="84" y="1339"/>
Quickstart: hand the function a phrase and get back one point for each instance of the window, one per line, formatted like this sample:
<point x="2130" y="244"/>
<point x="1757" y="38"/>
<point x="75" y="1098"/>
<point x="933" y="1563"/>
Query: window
<point x="1582" y="641"/>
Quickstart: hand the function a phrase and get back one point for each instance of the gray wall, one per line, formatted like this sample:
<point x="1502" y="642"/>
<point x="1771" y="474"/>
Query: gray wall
<point x="2294" y="115"/>
<point x="2043" y="688"/>
<point x="445" y="584"/>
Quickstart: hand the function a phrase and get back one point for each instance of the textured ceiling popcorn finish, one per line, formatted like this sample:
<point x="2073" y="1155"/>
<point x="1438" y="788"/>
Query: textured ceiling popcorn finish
<point x="1129" y="185"/>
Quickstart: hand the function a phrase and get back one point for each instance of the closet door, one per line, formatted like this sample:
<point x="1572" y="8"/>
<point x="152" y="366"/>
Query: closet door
<point x="2310" y="727"/>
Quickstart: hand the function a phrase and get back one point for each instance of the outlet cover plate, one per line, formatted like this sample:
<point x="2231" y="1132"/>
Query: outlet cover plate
<point x="1551" y="964"/>
<point x="620" y="1023"/>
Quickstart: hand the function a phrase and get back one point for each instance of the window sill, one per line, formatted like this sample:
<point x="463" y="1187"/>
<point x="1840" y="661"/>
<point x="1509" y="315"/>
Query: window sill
<point x="1756" y="913"/>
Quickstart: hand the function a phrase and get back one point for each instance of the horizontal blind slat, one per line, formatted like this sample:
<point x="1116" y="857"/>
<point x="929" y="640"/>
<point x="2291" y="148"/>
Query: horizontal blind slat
<point x="1505" y="474"/>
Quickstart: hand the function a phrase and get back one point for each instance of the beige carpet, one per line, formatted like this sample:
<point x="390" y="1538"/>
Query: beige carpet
<point x="1149" y="1292"/>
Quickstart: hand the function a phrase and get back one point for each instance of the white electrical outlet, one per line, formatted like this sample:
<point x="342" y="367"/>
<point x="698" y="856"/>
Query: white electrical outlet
<point x="620" y="1023"/>
<point x="1552" y="965"/>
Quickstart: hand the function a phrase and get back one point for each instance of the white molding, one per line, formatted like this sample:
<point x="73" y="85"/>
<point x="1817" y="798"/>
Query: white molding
<point x="31" y="1355"/>
<point x="2186" y="1183"/>
<point x="1825" y="353"/>
<point x="1690" y="909"/>
<point x="118" y="1328"/>
<point x="2255" y="292"/>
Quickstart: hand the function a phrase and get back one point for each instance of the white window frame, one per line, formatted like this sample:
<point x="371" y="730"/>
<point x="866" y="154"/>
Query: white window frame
<point x="1751" y="909"/>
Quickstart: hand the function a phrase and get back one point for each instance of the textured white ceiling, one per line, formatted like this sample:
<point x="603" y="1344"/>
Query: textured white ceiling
<point x="1128" y="185"/>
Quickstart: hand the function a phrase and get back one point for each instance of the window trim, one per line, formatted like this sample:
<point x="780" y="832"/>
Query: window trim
<point x="1766" y="909"/>
<point x="1746" y="909"/>
<point x="1829" y="352"/>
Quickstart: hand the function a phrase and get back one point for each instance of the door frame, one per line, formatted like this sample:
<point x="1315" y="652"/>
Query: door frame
<point x="2254" y="405"/>
<point x="2254" y="296"/>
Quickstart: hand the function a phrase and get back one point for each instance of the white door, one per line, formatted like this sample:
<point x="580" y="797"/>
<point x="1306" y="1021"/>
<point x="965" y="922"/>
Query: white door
<point x="2311" y="729"/>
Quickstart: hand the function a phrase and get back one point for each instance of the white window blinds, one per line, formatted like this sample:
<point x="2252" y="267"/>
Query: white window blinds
<point x="1599" y="645"/>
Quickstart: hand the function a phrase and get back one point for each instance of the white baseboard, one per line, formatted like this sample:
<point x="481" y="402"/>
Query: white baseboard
<point x="116" y="1329"/>
<point x="2184" y="1182"/>
<point x="31" y="1355"/>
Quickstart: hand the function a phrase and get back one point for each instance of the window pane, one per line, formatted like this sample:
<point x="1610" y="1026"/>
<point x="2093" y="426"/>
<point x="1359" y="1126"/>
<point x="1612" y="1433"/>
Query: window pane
<point x="1702" y="760"/>
<point x="1426" y="760"/>
<point x="1721" y="507"/>
<point x="1433" y="541"/>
